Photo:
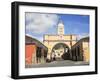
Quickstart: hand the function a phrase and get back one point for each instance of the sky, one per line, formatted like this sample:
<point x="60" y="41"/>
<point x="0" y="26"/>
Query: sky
<point x="38" y="24"/>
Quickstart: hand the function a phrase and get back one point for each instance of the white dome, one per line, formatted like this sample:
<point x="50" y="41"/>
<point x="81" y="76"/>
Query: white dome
<point x="60" y="25"/>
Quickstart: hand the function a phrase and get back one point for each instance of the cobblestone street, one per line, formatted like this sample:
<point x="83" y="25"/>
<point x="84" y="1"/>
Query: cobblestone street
<point x="58" y="64"/>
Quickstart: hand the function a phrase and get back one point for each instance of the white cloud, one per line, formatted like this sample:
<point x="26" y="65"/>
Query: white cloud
<point x="40" y="23"/>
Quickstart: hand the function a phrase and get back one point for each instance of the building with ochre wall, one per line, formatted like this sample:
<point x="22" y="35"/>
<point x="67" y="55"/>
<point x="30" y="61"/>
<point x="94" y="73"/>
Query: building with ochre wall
<point x="51" y="40"/>
<point x="80" y="51"/>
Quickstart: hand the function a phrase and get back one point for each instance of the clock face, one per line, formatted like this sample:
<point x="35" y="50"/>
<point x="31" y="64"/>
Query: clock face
<point x="61" y="37"/>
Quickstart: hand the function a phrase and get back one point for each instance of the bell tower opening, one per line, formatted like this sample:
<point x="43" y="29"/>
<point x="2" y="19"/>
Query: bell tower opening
<point x="60" y="28"/>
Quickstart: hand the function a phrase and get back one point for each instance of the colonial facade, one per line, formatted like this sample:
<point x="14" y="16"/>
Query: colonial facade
<point x="61" y="40"/>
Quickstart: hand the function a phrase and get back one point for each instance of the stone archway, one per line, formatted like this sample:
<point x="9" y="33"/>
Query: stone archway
<point x="60" y="51"/>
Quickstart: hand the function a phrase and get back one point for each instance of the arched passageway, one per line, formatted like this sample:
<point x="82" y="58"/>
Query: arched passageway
<point x="60" y="51"/>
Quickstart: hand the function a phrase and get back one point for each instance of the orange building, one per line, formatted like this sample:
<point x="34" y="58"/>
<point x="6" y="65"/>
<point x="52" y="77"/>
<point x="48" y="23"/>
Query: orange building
<point x="35" y="51"/>
<point x="30" y="50"/>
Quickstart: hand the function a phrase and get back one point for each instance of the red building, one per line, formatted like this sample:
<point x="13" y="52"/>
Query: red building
<point x="30" y="50"/>
<point x="35" y="51"/>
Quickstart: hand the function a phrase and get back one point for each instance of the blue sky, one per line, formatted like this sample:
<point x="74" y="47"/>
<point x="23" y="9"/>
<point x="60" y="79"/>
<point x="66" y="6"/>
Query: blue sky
<point x="75" y="24"/>
<point x="38" y="24"/>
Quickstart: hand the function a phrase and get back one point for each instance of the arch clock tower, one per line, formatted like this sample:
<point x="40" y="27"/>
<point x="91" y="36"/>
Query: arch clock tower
<point x="50" y="40"/>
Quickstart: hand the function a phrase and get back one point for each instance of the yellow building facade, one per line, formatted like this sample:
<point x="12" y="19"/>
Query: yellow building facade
<point x="51" y="40"/>
<point x="80" y="51"/>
